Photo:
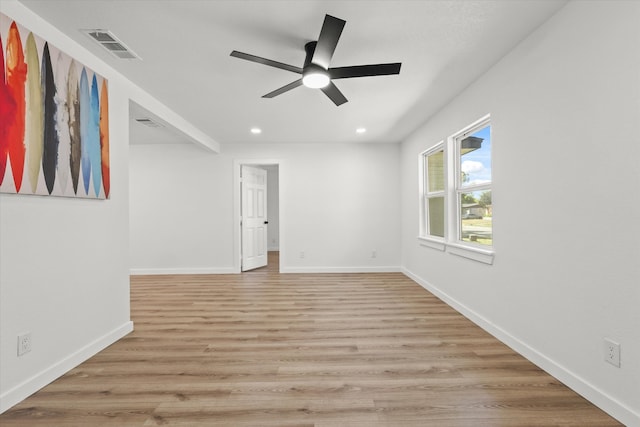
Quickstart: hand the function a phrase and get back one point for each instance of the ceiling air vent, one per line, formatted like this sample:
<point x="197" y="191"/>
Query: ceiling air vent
<point x="110" y="42"/>
<point x="148" y="122"/>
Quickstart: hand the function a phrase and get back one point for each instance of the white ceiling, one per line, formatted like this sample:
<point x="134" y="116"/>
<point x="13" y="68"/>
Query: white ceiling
<point x="185" y="47"/>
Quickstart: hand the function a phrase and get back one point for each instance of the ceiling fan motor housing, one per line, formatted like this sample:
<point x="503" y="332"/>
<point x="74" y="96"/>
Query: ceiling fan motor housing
<point x="313" y="75"/>
<point x="310" y="49"/>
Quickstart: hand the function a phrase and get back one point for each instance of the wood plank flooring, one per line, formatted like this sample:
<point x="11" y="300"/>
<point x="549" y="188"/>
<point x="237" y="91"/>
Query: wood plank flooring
<point x="318" y="350"/>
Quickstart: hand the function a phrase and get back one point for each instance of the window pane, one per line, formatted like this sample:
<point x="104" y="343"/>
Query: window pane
<point x="435" y="171"/>
<point x="475" y="157"/>
<point x="476" y="217"/>
<point x="436" y="216"/>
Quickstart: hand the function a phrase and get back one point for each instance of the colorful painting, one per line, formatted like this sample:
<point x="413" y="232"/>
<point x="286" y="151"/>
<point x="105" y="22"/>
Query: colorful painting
<point x="54" y="127"/>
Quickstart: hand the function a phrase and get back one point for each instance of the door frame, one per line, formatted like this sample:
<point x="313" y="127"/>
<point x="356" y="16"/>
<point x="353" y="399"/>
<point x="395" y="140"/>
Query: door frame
<point x="237" y="235"/>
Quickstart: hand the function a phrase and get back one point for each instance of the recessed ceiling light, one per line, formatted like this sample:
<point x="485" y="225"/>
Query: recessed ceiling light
<point x="256" y="131"/>
<point x="361" y="130"/>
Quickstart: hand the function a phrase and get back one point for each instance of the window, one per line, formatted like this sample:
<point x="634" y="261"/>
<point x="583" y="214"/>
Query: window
<point x="473" y="186"/>
<point x="456" y="205"/>
<point x="434" y="191"/>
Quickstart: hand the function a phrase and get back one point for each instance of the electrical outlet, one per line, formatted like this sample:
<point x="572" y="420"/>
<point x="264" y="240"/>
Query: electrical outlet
<point x="612" y="352"/>
<point x="24" y="343"/>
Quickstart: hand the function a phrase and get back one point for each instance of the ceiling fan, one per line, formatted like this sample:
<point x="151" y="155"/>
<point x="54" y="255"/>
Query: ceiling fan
<point x="316" y="72"/>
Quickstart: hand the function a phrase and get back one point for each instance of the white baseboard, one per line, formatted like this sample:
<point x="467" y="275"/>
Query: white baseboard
<point x="607" y="403"/>
<point x="320" y="270"/>
<point x="231" y="270"/>
<point x="183" y="270"/>
<point x="27" y="388"/>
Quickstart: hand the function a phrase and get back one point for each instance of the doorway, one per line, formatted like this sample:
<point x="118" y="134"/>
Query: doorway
<point x="255" y="229"/>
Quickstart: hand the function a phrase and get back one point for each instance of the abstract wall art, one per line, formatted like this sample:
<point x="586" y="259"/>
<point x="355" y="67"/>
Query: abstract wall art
<point x="54" y="120"/>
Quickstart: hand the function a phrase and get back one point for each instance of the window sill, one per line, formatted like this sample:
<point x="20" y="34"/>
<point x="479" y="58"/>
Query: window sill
<point x="476" y="254"/>
<point x="432" y="243"/>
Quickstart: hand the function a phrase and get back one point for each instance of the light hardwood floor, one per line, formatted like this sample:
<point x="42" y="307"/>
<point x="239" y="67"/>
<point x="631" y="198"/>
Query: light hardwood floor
<point x="264" y="349"/>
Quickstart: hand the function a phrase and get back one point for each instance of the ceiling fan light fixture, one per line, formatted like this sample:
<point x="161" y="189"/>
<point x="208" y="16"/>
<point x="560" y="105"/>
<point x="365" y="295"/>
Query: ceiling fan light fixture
<point x="315" y="77"/>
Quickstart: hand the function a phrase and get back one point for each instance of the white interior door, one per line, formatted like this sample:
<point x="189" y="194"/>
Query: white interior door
<point x="254" y="217"/>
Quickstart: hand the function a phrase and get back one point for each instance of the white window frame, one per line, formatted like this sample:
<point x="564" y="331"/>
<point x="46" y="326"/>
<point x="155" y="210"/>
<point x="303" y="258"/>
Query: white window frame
<point x="434" y="241"/>
<point x="452" y="242"/>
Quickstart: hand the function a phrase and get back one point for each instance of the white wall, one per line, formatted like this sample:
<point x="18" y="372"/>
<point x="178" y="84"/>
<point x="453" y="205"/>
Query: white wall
<point x="273" y="208"/>
<point x="338" y="203"/>
<point x="64" y="262"/>
<point x="565" y="108"/>
<point x="181" y="210"/>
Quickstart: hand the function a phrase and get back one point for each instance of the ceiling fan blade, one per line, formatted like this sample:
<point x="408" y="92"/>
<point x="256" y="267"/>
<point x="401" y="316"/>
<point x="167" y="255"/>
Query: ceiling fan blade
<point x="334" y="94"/>
<point x="327" y="41"/>
<point x="365" y="70"/>
<point x="265" y="61"/>
<point x="284" y="89"/>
